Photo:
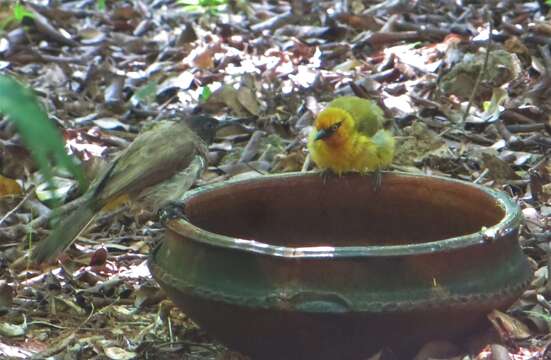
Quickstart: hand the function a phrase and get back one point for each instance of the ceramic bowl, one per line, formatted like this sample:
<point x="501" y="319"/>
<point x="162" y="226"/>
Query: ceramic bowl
<point x="294" y="266"/>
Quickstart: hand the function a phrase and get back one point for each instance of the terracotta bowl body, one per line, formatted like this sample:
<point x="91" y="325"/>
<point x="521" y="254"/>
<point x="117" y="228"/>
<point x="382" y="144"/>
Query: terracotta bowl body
<point x="289" y="267"/>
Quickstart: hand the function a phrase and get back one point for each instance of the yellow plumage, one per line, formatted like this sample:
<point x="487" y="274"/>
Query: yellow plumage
<point x="368" y="116"/>
<point x="348" y="136"/>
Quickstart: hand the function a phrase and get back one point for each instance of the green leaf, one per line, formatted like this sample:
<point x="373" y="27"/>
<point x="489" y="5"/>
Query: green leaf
<point x="192" y="9"/>
<point x="37" y="132"/>
<point x="189" y="2"/>
<point x="47" y="195"/>
<point x="5" y="22"/>
<point x="146" y="94"/>
<point x="545" y="317"/>
<point x="208" y="3"/>
<point x="202" y="5"/>
<point x="101" y="5"/>
<point x="205" y="94"/>
<point x="20" y="12"/>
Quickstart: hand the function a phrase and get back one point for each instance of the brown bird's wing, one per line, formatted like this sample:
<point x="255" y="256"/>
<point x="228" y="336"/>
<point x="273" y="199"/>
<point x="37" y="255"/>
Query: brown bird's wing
<point x="156" y="197"/>
<point x="154" y="156"/>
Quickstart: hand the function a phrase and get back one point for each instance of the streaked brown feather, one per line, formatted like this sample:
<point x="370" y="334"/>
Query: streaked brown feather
<point x="160" y="154"/>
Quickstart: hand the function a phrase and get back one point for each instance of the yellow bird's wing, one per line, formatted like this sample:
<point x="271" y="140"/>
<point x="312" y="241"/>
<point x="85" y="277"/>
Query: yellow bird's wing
<point x="385" y="144"/>
<point x="369" y="116"/>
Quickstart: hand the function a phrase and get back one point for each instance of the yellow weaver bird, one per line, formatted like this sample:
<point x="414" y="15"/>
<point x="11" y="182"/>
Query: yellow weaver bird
<point x="348" y="135"/>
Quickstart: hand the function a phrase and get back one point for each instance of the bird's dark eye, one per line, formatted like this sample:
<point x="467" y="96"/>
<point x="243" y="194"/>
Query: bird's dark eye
<point x="335" y="126"/>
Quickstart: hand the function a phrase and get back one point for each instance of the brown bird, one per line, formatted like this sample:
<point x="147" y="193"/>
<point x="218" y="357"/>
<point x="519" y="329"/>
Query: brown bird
<point x="157" y="168"/>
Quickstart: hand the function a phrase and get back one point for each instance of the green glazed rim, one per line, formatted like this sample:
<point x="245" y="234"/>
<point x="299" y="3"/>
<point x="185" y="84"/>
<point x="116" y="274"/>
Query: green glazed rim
<point x="509" y="223"/>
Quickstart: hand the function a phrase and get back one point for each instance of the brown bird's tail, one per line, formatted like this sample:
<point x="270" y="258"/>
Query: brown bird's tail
<point x="64" y="233"/>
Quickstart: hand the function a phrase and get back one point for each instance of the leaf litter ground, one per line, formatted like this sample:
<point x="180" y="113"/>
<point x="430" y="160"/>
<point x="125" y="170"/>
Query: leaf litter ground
<point x="463" y="105"/>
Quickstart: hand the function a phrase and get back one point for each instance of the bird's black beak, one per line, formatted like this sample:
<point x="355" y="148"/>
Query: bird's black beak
<point x="324" y="134"/>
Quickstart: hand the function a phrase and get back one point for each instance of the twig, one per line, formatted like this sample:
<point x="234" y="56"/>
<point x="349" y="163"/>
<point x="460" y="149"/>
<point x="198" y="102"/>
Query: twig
<point x="504" y="132"/>
<point x="275" y="22"/>
<point x="255" y="169"/>
<point x="482" y="176"/>
<point x="306" y="164"/>
<point x="548" y="283"/>
<point x="15" y="231"/>
<point x="59" y="346"/>
<point x="251" y="149"/>
<point x="515" y="128"/>
<point x="18" y="206"/>
<point x="380" y="39"/>
<point x="542" y="237"/>
<point x="482" y="70"/>
<point x="511" y="115"/>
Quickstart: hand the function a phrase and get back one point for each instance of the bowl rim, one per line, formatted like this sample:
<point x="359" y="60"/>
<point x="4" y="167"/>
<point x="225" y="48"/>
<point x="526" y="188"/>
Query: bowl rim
<point x="509" y="223"/>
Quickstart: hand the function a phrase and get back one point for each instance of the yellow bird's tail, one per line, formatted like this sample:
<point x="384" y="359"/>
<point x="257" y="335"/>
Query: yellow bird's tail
<point x="385" y="144"/>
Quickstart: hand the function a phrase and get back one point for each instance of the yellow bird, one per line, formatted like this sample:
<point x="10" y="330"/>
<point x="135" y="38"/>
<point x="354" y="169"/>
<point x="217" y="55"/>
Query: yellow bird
<point x="348" y="135"/>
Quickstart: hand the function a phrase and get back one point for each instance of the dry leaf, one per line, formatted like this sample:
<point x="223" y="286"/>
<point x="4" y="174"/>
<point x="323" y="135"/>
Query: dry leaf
<point x="289" y="162"/>
<point x="9" y="187"/>
<point x="203" y="58"/>
<point x="508" y="327"/>
<point x="499" y="170"/>
<point x="225" y="96"/>
<point x="247" y="98"/>
<point x="117" y="353"/>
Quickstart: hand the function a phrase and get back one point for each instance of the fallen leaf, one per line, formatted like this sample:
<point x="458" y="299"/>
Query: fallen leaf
<point x="12" y="330"/>
<point x="63" y="186"/>
<point x="508" y="327"/>
<point x="247" y="98"/>
<point x="117" y="353"/>
<point x="9" y="187"/>
<point x="225" y="96"/>
<point x="499" y="170"/>
<point x="204" y="59"/>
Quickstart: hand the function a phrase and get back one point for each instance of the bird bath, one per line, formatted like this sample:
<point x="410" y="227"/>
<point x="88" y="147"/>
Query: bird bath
<point x="291" y="267"/>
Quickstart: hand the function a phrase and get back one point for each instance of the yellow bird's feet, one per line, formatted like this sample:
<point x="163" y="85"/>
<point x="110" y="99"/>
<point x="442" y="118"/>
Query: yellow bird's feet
<point x="377" y="180"/>
<point x="326" y="174"/>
